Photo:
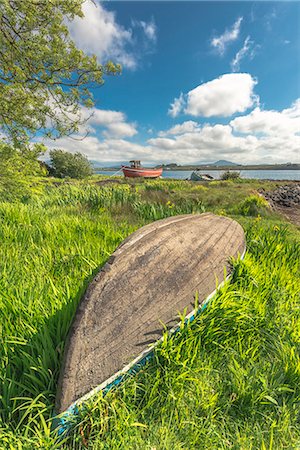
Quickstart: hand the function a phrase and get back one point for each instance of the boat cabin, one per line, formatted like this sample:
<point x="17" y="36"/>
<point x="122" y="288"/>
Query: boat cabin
<point x="134" y="164"/>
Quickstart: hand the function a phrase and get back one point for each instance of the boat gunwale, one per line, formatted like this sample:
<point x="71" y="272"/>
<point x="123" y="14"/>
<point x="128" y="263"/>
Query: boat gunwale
<point x="142" y="169"/>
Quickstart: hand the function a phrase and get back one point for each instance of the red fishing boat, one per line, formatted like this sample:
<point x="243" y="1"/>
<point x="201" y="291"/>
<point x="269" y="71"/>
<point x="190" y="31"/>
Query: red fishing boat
<point x="136" y="170"/>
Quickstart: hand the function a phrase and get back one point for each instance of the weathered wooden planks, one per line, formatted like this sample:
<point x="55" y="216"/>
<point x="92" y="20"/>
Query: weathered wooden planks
<point x="153" y="275"/>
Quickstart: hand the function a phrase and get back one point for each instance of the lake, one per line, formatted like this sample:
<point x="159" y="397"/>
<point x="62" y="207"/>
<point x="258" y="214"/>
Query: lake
<point x="258" y="174"/>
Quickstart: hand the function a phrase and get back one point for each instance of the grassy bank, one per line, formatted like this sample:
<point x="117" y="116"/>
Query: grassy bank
<point x="229" y="381"/>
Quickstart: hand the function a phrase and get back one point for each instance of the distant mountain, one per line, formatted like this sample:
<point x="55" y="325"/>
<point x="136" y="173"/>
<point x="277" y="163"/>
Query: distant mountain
<point x="116" y="164"/>
<point x="107" y="165"/>
<point x="223" y="162"/>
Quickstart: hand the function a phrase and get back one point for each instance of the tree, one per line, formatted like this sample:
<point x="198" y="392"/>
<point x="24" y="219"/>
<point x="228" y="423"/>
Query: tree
<point x="66" y="164"/>
<point x="44" y="77"/>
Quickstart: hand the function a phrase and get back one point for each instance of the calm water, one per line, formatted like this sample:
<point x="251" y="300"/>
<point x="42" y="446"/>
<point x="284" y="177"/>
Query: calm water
<point x="258" y="174"/>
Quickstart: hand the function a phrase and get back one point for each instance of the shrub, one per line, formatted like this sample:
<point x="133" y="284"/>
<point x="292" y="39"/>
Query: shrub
<point x="71" y="165"/>
<point x="252" y="205"/>
<point x="230" y="175"/>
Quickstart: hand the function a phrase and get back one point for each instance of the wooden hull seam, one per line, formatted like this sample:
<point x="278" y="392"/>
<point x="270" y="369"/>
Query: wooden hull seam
<point x="64" y="421"/>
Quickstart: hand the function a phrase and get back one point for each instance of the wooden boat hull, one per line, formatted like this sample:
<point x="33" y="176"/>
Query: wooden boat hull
<point x="154" y="273"/>
<point x="132" y="172"/>
<point x="195" y="176"/>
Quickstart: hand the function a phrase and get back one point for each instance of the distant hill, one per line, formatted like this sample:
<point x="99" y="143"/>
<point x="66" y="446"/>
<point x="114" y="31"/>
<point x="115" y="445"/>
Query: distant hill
<point x="223" y="162"/>
<point x="107" y="165"/>
<point x="174" y="166"/>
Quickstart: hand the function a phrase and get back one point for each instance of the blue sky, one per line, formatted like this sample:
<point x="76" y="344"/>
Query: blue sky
<point x="201" y="81"/>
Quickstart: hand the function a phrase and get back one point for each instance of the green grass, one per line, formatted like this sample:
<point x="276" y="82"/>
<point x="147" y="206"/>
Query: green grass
<point x="229" y="380"/>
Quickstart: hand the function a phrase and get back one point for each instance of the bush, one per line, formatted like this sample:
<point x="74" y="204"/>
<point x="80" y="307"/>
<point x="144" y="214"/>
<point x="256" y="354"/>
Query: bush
<point x="252" y="206"/>
<point x="65" y="164"/>
<point x="17" y="166"/>
<point x="230" y="175"/>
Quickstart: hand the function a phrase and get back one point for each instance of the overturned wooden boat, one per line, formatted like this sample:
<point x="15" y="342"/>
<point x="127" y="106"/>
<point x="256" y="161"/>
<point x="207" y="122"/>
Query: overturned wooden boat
<point x="154" y="274"/>
<point x="136" y="170"/>
<point x="198" y="176"/>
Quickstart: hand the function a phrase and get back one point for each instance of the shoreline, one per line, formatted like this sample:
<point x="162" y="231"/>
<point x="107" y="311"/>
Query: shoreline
<point x="210" y="168"/>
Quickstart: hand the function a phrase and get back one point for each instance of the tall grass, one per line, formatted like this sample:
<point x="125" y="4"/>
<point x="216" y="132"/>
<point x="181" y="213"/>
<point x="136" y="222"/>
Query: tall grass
<point x="229" y="380"/>
<point x="156" y="211"/>
<point x="88" y="195"/>
<point x="47" y="256"/>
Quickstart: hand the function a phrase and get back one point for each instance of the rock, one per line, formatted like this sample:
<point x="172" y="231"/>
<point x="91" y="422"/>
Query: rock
<point x="286" y="196"/>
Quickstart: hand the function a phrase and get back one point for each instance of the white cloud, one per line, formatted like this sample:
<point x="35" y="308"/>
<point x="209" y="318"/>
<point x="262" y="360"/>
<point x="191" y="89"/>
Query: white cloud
<point x="99" y="33"/>
<point x="294" y="110"/>
<point x="115" y="122"/>
<point x="224" y="96"/>
<point x="104" y="117"/>
<point x="120" y="130"/>
<point x="230" y="35"/>
<point x="186" y="127"/>
<point x="149" y="28"/>
<point x="202" y="143"/>
<point x="108" y="150"/>
<point x="270" y="17"/>
<point x="261" y="136"/>
<point x="177" y="106"/>
<point x="247" y="49"/>
<point x="212" y="142"/>
<point x="270" y="123"/>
